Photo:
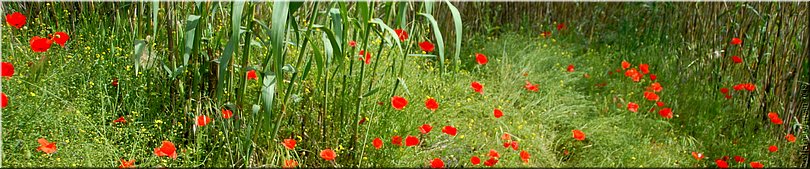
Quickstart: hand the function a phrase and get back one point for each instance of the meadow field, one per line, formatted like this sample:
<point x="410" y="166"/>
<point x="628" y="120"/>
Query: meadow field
<point x="415" y="84"/>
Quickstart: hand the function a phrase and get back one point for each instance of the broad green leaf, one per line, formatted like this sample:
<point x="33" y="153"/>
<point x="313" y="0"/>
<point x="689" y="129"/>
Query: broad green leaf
<point x="337" y="25"/>
<point x="439" y="40"/>
<point x="225" y="59"/>
<point x="458" y="24"/>
<point x="191" y="28"/>
<point x="390" y="32"/>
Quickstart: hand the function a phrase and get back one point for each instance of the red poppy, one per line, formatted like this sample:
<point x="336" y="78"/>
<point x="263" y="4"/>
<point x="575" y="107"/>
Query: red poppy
<point x="114" y="82"/>
<point x="560" y="26"/>
<point x="651" y="96"/>
<point x="377" y="143"/>
<point x="656" y="87"/>
<point x="398" y="102"/>
<point x="514" y="145"/>
<point x="449" y="130"/>
<point x="494" y="154"/>
<point x="633" y="74"/>
<point x="790" y="138"/>
<point x="203" y="120"/>
<point x="401" y="34"/>
<point x="437" y="163"/>
<point x="497" y="113"/>
<point x="660" y="104"/>
<point x="506" y="137"/>
<point x="570" y="68"/>
<point x="362" y="120"/>
<point x="625" y="64"/>
<point x="546" y="34"/>
<point x="506" y="144"/>
<point x="120" y="120"/>
<point x="750" y="87"/>
<point x="127" y="164"/>
<point x="739" y="159"/>
<point x="352" y="43"/>
<point x="3" y="100"/>
<point x="725" y="158"/>
<point x="60" y="38"/>
<point x="697" y="156"/>
<point x="578" y="135"/>
<point x="477" y="87"/>
<point x="431" y="104"/>
<point x="426" y="46"/>
<point x="774" y="118"/>
<point x="289" y="144"/>
<point x="16" y="19"/>
<point x="166" y="149"/>
<point x="728" y="96"/>
<point x="425" y="128"/>
<point x="653" y="77"/>
<point x="721" y="164"/>
<point x="367" y="59"/>
<point x="736" y="41"/>
<point x="724" y="90"/>
<point x="475" y="160"/>
<point x="46" y="146"/>
<point x="411" y="141"/>
<point x="736" y="59"/>
<point x="227" y="114"/>
<point x="756" y="165"/>
<point x="773" y="115"/>
<point x="328" y="154"/>
<point x="633" y="107"/>
<point x="396" y="140"/>
<point x="7" y="69"/>
<point x="773" y="148"/>
<point x="251" y="75"/>
<point x="666" y="113"/>
<point x="531" y="87"/>
<point x="644" y="68"/>
<point x="491" y="162"/>
<point x="524" y="156"/>
<point x="39" y="44"/>
<point x="290" y="164"/>
<point x="481" y="58"/>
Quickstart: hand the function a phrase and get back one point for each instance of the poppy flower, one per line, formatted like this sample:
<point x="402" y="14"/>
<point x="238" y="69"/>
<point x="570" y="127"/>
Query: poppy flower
<point x="60" y="38"/>
<point x="481" y="58"/>
<point x="411" y="141"/>
<point x="475" y="160"/>
<point x="560" y="26"/>
<point x="739" y="159"/>
<point x="426" y="46"/>
<point x="127" y="164"/>
<point x="289" y="144"/>
<point x="660" y="104"/>
<point x="396" y="140"/>
<point x="401" y="34"/>
<point x="586" y="75"/>
<point x="166" y="149"/>
<point x="546" y="34"/>
<point x="491" y="162"/>
<point x="120" y="120"/>
<point x="774" y="118"/>
<point x="437" y="163"/>
<point x="773" y="115"/>
<point x="477" y="87"/>
<point x="633" y="107"/>
<point x="494" y="154"/>
<point x="625" y="64"/>
<point x="790" y="138"/>
<point x="431" y="104"/>
<point x="203" y="120"/>
<point x="367" y="59"/>
<point x="398" y="102"/>
<point x="750" y="87"/>
<point x="721" y="164"/>
<point x="725" y="158"/>
<point x="656" y="87"/>
<point x="227" y="114"/>
<point x="46" y="146"/>
<point x="497" y="113"/>
<point x="724" y="90"/>
<point x="352" y="43"/>
<point x="736" y="59"/>
<point x="39" y="44"/>
<point x="666" y="113"/>
<point x="728" y="96"/>
<point x="756" y="165"/>
<point x="524" y="156"/>
<point x="3" y="100"/>
<point x="578" y="135"/>
<point x="531" y="87"/>
<point x="506" y="137"/>
<point x="449" y="130"/>
<point x="570" y="68"/>
<point x="251" y="75"/>
<point x="16" y="19"/>
<point x="736" y="41"/>
<point x="651" y="96"/>
<point x="114" y="82"/>
<point x="697" y="156"/>
<point x="290" y="164"/>
<point x="7" y="69"/>
<point x="633" y="74"/>
<point x="377" y="143"/>
<point x="644" y="68"/>
<point x="425" y="128"/>
<point x="514" y="145"/>
<point x="506" y="144"/>
<point x="773" y="148"/>
<point x="362" y="120"/>
<point x="653" y="77"/>
<point x="328" y="154"/>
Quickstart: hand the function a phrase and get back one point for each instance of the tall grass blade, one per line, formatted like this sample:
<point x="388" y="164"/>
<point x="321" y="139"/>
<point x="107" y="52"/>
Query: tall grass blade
<point x="458" y="24"/>
<point x="225" y="59"/>
<point x="439" y="39"/>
